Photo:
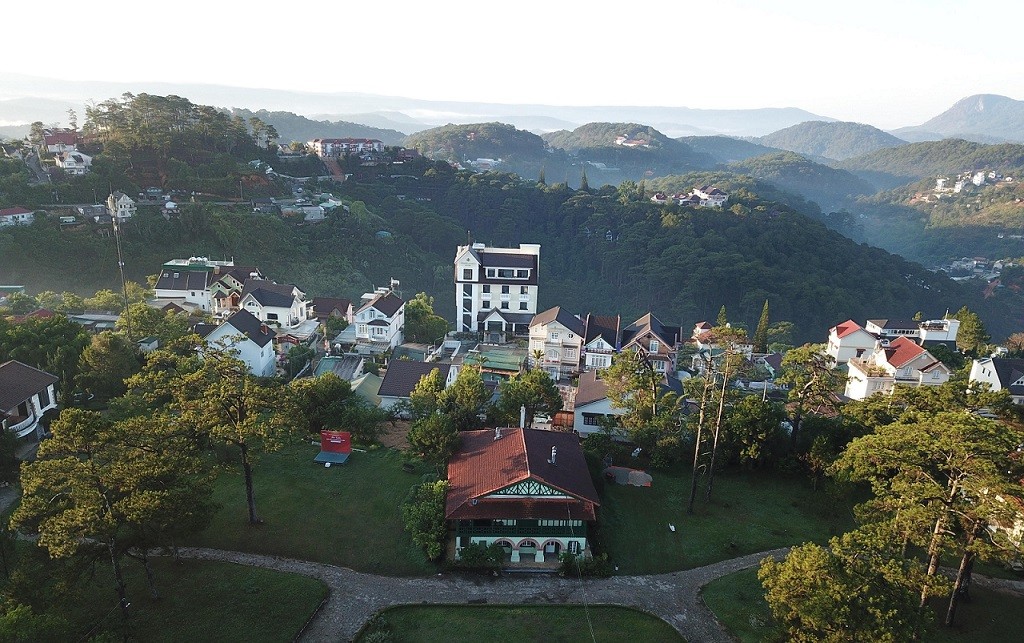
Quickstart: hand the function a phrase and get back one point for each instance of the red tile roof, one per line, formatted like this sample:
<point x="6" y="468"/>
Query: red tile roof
<point x="847" y="327"/>
<point x="7" y="211"/>
<point x="484" y="465"/>
<point x="901" y="351"/>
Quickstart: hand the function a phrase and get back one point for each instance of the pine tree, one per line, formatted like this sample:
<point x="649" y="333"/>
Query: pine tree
<point x="761" y="334"/>
<point x="722" y="320"/>
<point x="540" y="178"/>
<point x="584" y="185"/>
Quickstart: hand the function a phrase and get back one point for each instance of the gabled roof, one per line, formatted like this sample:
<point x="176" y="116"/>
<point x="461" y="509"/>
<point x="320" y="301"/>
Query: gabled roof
<point x="403" y="375"/>
<point x="590" y="389"/>
<point x="563" y="317"/>
<point x="902" y="351"/>
<point x="1009" y="370"/>
<point x="484" y="465"/>
<point x="267" y="293"/>
<point x="324" y="306"/>
<point x="388" y="304"/>
<point x="669" y="335"/>
<point x="19" y="382"/>
<point x="10" y="211"/>
<point x="246" y="323"/>
<point x="846" y="328"/>
<point x="604" y="326"/>
<point x="774" y="360"/>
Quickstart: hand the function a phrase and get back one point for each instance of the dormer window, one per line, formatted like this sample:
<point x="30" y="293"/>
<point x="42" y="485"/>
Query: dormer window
<point x="491" y="272"/>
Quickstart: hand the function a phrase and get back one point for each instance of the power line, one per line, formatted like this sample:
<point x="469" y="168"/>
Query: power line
<point x="579" y="574"/>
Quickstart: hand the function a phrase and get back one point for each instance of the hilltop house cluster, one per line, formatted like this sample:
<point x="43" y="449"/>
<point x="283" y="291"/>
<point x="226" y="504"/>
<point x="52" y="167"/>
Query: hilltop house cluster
<point x="707" y="196"/>
<point x="946" y="187"/>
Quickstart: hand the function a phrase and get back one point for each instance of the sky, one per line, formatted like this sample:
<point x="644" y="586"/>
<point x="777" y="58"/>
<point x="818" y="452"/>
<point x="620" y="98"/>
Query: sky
<point x="888" y="63"/>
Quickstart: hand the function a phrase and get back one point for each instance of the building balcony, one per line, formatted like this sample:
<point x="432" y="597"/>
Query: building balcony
<point x="21" y="427"/>
<point x="522" y="531"/>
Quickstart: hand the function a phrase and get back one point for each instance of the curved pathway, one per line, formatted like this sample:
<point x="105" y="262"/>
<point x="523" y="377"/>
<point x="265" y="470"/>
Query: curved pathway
<point x="355" y="596"/>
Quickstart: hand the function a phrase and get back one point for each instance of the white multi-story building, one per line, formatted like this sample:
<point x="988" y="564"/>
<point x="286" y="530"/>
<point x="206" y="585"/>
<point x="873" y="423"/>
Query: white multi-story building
<point x="557" y="337"/>
<point x="379" y="321"/>
<point x="601" y="341"/>
<point x="121" y="206"/>
<point x="1001" y="373"/>
<point x="901" y="362"/>
<point x="326" y="147"/>
<point x="496" y="288"/>
<point x="849" y="340"/>
<point x="73" y="163"/>
<point x="250" y="338"/>
<point x="199" y="282"/>
<point x="282" y="305"/>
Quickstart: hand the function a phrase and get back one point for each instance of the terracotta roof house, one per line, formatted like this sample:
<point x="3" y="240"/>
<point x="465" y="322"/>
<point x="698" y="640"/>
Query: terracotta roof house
<point x="16" y="216"/>
<point x="848" y="340"/>
<point x="25" y="394"/>
<point x="527" y="490"/>
<point x="901" y="362"/>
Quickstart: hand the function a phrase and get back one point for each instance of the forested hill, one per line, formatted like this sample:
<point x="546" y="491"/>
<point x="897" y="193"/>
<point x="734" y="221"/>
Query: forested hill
<point x="829" y="187"/>
<point x="725" y="149"/>
<point x="889" y="168"/>
<point x="460" y="143"/>
<point x="833" y="140"/>
<point x="292" y="127"/>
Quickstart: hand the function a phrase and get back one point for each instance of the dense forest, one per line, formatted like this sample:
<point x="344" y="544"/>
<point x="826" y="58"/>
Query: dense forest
<point x="829" y="187"/>
<point x="292" y="127"/>
<point x="889" y="168"/>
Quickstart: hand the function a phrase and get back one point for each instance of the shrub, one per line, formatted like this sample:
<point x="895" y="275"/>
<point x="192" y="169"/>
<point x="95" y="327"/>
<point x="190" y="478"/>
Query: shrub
<point x="481" y="557"/>
<point x="573" y="565"/>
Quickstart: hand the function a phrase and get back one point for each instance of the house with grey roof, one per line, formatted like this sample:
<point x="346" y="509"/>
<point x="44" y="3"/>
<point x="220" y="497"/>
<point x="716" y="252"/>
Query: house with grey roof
<point x="601" y="339"/>
<point x="403" y="375"/>
<point x="1001" y="374"/>
<point x="592" y="406"/>
<point x="251" y="338"/>
<point x="379" y="322"/>
<point x="281" y="305"/>
<point x="25" y="394"/>
<point x="556" y="339"/>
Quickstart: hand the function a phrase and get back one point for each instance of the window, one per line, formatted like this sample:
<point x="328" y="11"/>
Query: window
<point x="487" y="288"/>
<point x="522" y="274"/>
<point x="486" y="304"/>
<point x="524" y="290"/>
<point x="574" y="547"/>
<point x="504" y="305"/>
<point x="654" y="346"/>
<point x="44" y="395"/>
<point x="554" y="335"/>
<point x="505" y="290"/>
<point x="175" y="275"/>
<point x="570" y="353"/>
<point x="505" y="273"/>
<point x="271" y="316"/>
<point x="362" y="329"/>
<point x="467" y="273"/>
<point x="553" y="355"/>
<point x="524" y="305"/>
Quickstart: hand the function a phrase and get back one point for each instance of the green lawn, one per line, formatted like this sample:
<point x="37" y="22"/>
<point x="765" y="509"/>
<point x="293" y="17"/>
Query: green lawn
<point x="200" y="601"/>
<point x="347" y="515"/>
<point x="496" y="624"/>
<point x="748" y="513"/>
<point x="738" y="602"/>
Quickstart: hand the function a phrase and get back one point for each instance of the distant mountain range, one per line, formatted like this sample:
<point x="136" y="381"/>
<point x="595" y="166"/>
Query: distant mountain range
<point x="983" y="118"/>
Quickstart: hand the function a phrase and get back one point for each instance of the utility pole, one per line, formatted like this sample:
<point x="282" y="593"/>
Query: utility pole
<point x="124" y="283"/>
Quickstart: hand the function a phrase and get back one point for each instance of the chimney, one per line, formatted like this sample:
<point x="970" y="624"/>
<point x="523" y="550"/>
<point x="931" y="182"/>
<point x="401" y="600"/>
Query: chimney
<point x="554" y="452"/>
<point x="264" y="329"/>
<point x="522" y="416"/>
<point x="497" y="433"/>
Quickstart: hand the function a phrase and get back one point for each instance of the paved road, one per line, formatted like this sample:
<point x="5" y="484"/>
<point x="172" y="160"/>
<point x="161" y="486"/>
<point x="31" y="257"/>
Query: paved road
<point x="355" y="597"/>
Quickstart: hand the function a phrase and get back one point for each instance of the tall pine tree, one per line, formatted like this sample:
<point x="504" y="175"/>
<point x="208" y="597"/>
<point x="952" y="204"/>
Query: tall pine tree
<point x="761" y="334"/>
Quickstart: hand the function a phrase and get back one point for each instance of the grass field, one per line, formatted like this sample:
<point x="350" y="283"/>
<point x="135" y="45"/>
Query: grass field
<point x="495" y="624"/>
<point x="738" y="602"/>
<point x="200" y="601"/>
<point x="347" y="515"/>
<point x="749" y="512"/>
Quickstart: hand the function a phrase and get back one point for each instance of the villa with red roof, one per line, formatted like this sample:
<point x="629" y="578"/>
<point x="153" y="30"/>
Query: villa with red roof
<point x="901" y="362"/>
<point x="848" y="340"/>
<point x="527" y="490"/>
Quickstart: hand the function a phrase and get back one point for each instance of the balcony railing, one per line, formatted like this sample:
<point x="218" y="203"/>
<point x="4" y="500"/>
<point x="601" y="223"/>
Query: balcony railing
<point x="517" y="530"/>
<point x="23" y="427"/>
